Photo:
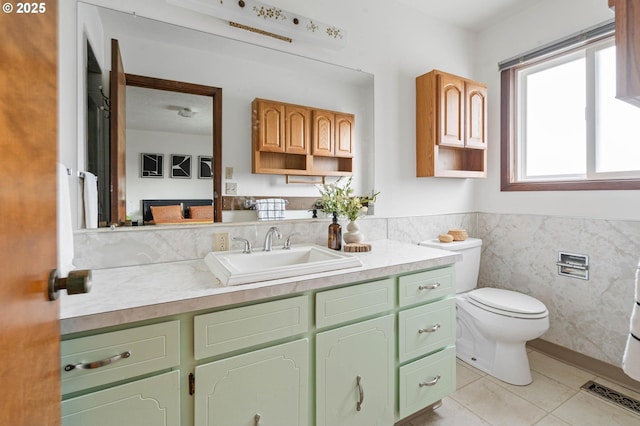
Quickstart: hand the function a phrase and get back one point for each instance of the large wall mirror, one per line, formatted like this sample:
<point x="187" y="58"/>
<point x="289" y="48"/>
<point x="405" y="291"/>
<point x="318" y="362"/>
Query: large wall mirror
<point x="242" y="71"/>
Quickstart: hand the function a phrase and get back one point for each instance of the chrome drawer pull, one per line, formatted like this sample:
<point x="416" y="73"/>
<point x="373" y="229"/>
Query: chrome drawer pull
<point x="256" y="419"/>
<point x="360" y="393"/>
<point x="429" y="286"/>
<point x="431" y="382"/>
<point x="431" y="329"/>
<point x="97" y="364"/>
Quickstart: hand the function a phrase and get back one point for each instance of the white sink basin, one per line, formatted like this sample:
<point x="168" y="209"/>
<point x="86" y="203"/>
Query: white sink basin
<point x="235" y="267"/>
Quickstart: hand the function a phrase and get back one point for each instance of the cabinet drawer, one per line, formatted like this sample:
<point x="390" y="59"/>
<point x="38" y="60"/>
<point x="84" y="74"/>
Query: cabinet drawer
<point x="225" y="331"/>
<point x="152" y="401"/>
<point x="150" y="348"/>
<point x="426" y="328"/>
<point x="425" y="381"/>
<point x="350" y="303"/>
<point x="425" y="286"/>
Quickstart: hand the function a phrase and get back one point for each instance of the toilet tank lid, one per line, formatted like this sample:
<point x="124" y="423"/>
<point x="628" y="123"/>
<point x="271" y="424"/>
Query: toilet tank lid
<point x="454" y="245"/>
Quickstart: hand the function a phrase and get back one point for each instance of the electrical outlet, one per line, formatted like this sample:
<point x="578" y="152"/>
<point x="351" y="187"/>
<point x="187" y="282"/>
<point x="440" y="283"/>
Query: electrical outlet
<point x="231" y="188"/>
<point x="221" y="241"/>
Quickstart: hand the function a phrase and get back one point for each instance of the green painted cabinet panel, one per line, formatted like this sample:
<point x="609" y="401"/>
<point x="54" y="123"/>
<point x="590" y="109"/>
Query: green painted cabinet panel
<point x="423" y="287"/>
<point x="353" y="302"/>
<point x="265" y="387"/>
<point x="426" y="328"/>
<point x="427" y="380"/>
<point x="233" y="329"/>
<point x="151" y="402"/>
<point x="355" y="363"/>
<point x="150" y="348"/>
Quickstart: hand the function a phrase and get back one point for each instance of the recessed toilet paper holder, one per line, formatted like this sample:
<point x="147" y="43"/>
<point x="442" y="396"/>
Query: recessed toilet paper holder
<point x="573" y="265"/>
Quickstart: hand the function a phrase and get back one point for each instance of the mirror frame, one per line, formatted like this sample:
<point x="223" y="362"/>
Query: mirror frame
<point x="195" y="89"/>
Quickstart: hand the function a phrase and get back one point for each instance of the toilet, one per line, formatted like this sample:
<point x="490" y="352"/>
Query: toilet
<point x="493" y="325"/>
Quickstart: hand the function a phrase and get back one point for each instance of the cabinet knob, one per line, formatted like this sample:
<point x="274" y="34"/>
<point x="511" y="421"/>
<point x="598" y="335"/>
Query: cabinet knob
<point x="256" y="419"/>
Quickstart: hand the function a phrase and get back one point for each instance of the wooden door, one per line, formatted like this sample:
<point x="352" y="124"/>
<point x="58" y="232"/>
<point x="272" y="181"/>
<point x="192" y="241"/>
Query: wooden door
<point x="451" y="110"/>
<point x="297" y="129"/>
<point x="117" y="136"/>
<point x="29" y="340"/>
<point x="323" y="133"/>
<point x="476" y="115"/>
<point x="356" y="363"/>
<point x="345" y="135"/>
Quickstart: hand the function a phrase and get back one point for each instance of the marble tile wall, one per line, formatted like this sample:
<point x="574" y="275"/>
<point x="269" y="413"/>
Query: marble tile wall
<point x="591" y="317"/>
<point x="519" y="253"/>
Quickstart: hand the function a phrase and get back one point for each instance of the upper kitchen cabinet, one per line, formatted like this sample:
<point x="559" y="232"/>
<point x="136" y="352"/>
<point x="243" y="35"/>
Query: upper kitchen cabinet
<point x="451" y="126"/>
<point x="627" y="50"/>
<point x="299" y="140"/>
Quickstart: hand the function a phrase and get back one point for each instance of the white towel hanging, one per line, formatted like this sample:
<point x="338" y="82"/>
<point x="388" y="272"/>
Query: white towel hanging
<point x="631" y="356"/>
<point x="90" y="200"/>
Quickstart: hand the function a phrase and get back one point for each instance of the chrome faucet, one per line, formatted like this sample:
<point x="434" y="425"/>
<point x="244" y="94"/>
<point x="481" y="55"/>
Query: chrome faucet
<point x="269" y="237"/>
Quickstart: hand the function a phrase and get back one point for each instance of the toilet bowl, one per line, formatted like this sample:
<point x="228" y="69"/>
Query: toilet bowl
<point x="493" y="325"/>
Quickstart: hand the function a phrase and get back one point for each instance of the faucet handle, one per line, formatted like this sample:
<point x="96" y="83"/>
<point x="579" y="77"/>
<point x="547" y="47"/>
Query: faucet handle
<point x="247" y="244"/>
<point x="287" y="242"/>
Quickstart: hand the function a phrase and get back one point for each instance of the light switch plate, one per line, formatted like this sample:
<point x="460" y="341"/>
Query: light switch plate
<point x="231" y="188"/>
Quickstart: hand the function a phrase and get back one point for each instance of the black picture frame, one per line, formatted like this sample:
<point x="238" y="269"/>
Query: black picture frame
<point x="151" y="165"/>
<point x="205" y="167"/>
<point x="180" y="166"/>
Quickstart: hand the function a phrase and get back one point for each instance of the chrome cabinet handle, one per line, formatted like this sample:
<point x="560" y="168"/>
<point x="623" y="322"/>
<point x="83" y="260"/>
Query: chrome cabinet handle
<point x="431" y="329"/>
<point x="431" y="382"/>
<point x="429" y="286"/>
<point x="97" y="364"/>
<point x="256" y="419"/>
<point x="360" y="393"/>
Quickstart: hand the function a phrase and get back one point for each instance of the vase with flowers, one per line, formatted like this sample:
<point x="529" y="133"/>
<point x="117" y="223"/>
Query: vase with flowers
<point x="339" y="199"/>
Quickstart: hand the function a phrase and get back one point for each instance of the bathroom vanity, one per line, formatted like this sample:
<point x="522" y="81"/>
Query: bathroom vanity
<point x="166" y="344"/>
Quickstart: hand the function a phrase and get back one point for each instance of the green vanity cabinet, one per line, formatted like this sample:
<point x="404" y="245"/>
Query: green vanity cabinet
<point x="355" y="374"/>
<point x="93" y="368"/>
<point x="369" y="353"/>
<point x="268" y="386"/>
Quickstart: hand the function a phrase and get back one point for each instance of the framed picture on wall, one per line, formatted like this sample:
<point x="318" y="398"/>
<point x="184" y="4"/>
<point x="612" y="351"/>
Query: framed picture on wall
<point x="151" y="165"/>
<point x="205" y="167"/>
<point x="180" y="166"/>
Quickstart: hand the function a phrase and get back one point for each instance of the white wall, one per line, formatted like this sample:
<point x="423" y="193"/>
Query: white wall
<point x="544" y="22"/>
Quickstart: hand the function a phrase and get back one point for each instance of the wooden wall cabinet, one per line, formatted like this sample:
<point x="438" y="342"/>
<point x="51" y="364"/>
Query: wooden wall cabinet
<point x="451" y="126"/>
<point x="627" y="23"/>
<point x="293" y="139"/>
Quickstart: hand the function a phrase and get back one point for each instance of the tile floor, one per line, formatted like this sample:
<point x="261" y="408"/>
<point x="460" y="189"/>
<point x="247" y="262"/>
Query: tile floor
<point x="553" y="399"/>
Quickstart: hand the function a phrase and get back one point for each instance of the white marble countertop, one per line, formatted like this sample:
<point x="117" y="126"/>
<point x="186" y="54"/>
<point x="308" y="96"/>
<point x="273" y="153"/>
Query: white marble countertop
<point x="135" y="293"/>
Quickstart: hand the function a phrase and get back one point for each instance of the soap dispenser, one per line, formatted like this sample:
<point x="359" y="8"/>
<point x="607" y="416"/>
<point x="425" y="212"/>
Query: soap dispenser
<point x="334" y="239"/>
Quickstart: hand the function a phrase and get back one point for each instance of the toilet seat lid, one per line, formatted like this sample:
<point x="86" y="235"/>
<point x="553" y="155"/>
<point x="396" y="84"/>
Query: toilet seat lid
<point x="510" y="302"/>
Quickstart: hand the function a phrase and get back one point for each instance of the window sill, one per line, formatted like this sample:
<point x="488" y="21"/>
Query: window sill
<point x="584" y="185"/>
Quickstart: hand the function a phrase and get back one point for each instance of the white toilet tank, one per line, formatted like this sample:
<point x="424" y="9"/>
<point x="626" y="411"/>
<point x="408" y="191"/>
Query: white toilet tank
<point x="467" y="269"/>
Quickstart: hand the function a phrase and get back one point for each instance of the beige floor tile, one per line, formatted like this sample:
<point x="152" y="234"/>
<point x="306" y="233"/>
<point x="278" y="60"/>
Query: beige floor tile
<point x="466" y="374"/>
<point x="497" y="405"/>
<point x="542" y="392"/>
<point x="586" y="410"/>
<point x="449" y="414"/>
<point x="551" y="420"/>
<point x="559" y="371"/>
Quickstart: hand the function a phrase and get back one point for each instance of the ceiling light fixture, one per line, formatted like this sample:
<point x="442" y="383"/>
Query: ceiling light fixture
<point x="187" y="112"/>
<point x="268" y="20"/>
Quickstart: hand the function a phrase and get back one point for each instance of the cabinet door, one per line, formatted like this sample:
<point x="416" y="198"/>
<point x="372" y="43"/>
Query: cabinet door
<point x="451" y="111"/>
<point x="270" y="126"/>
<point x="297" y="129"/>
<point x="154" y="401"/>
<point x="354" y="374"/>
<point x="323" y="133"/>
<point x="345" y="133"/>
<point x="268" y="386"/>
<point x="476" y="113"/>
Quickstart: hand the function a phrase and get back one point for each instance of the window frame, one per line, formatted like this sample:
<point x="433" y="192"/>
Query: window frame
<point x="508" y="141"/>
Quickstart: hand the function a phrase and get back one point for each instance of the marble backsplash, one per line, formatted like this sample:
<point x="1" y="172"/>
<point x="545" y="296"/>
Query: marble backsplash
<point x="519" y="252"/>
<point x="591" y="316"/>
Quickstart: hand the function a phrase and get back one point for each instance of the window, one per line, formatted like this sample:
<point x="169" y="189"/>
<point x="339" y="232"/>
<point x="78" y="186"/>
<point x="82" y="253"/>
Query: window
<point x="562" y="128"/>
